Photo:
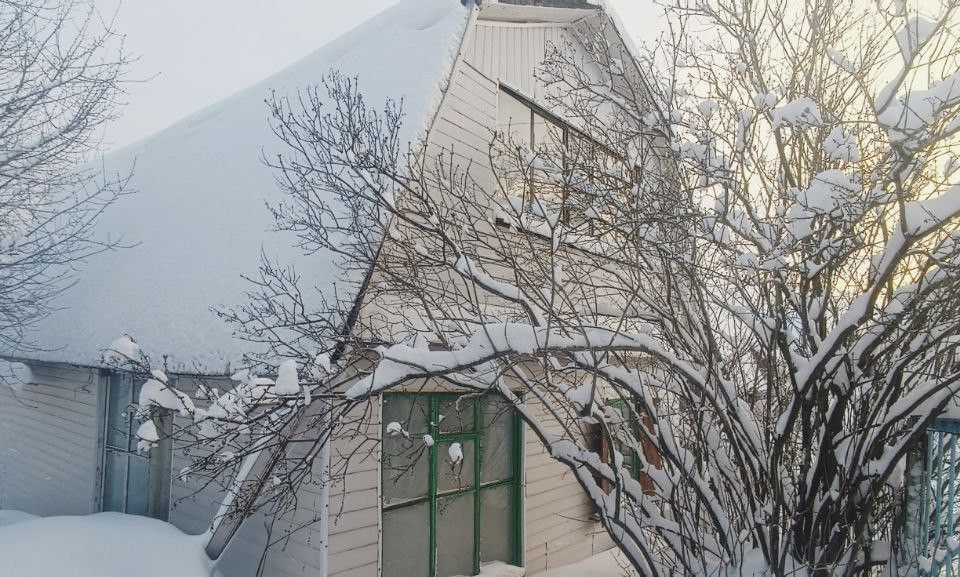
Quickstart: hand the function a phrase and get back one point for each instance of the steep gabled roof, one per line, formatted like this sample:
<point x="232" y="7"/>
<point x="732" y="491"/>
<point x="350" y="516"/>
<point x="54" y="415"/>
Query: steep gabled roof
<point x="199" y="219"/>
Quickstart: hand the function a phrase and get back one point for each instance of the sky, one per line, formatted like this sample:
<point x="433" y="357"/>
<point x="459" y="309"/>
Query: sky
<point x="192" y="53"/>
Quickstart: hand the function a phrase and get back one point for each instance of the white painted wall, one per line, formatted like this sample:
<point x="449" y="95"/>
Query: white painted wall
<point x="49" y="457"/>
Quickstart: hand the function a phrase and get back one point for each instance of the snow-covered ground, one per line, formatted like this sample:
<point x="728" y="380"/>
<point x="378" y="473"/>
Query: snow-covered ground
<point x="608" y="564"/>
<point x="101" y="545"/>
<point x="8" y="517"/>
<point x="116" y="545"/>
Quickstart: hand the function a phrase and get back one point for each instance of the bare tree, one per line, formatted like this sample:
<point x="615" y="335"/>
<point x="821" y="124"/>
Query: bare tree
<point x="61" y="75"/>
<point x="727" y="302"/>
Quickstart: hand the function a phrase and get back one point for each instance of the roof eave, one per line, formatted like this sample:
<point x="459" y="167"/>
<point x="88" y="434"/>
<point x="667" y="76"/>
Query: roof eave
<point x="543" y="13"/>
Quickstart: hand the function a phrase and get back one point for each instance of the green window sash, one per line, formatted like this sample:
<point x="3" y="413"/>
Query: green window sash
<point x="432" y="506"/>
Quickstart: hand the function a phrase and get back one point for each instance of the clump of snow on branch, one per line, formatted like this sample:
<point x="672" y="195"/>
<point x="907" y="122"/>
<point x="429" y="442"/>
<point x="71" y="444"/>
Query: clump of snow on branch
<point x="157" y="392"/>
<point x="800" y="113"/>
<point x="147" y="436"/>
<point x="910" y="113"/>
<point x="455" y="453"/>
<point x="915" y="32"/>
<point x="288" y="382"/>
<point x="122" y="350"/>
<point x="828" y="190"/>
<point x="841" y="146"/>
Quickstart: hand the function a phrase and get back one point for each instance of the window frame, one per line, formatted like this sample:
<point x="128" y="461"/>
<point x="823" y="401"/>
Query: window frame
<point x="159" y="458"/>
<point x="434" y="494"/>
<point x="570" y="134"/>
<point x="626" y="412"/>
<point x="639" y="459"/>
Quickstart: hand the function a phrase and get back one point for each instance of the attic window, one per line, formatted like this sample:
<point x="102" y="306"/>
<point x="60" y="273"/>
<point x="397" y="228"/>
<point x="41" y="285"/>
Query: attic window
<point x="590" y="169"/>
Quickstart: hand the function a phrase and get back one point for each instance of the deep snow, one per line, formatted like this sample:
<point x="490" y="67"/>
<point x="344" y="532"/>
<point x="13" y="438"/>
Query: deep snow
<point x="9" y="517"/>
<point x="100" y="545"/>
<point x="117" y="545"/>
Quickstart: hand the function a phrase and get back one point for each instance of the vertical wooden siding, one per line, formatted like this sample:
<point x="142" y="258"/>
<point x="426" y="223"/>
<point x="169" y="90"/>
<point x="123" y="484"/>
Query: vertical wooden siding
<point x="511" y="53"/>
<point x="355" y="496"/>
<point x="194" y="504"/>
<point x="558" y="528"/>
<point x="557" y="525"/>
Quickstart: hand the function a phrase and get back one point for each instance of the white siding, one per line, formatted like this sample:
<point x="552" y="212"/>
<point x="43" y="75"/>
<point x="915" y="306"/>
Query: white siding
<point x="49" y="458"/>
<point x="557" y="526"/>
<point x="511" y="53"/>
<point x="355" y="498"/>
<point x="465" y="123"/>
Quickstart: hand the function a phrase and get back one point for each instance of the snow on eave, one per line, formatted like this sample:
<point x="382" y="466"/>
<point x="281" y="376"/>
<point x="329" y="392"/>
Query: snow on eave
<point x="198" y="220"/>
<point x="527" y="14"/>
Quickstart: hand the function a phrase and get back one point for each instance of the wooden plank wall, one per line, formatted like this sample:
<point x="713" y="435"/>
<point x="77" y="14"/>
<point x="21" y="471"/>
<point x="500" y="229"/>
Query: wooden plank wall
<point x="465" y="124"/>
<point x="557" y="525"/>
<point x="49" y="458"/>
<point x="558" y="529"/>
<point x="355" y="496"/>
<point x="511" y="53"/>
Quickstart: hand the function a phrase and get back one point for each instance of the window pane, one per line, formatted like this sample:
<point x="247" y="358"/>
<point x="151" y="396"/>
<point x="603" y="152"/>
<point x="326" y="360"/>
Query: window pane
<point x="406" y="458"/>
<point x="411" y="411"/>
<point x="118" y="403"/>
<point x="547" y="134"/>
<point x="629" y="458"/>
<point x="138" y="486"/>
<point x="496" y="524"/>
<point x="456" y="415"/>
<point x="455" y="476"/>
<point x="455" y="544"/>
<point x="114" y="481"/>
<point x="513" y="120"/>
<point x="132" y="423"/>
<point x="406" y="541"/>
<point x="496" y="462"/>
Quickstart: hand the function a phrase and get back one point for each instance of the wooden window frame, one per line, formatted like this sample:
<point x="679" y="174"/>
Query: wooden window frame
<point x="646" y="450"/>
<point x="434" y="401"/>
<point x="568" y="132"/>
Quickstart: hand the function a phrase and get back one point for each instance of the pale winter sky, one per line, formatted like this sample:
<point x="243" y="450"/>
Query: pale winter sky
<point x="196" y="52"/>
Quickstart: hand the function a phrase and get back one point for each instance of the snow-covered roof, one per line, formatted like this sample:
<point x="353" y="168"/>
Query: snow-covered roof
<point x="199" y="216"/>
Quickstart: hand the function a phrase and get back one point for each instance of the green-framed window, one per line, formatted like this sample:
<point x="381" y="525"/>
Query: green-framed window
<point x="631" y="460"/>
<point x="442" y="517"/>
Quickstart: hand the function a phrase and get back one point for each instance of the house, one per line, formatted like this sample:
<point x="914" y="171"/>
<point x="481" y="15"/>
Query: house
<point x="196" y="226"/>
